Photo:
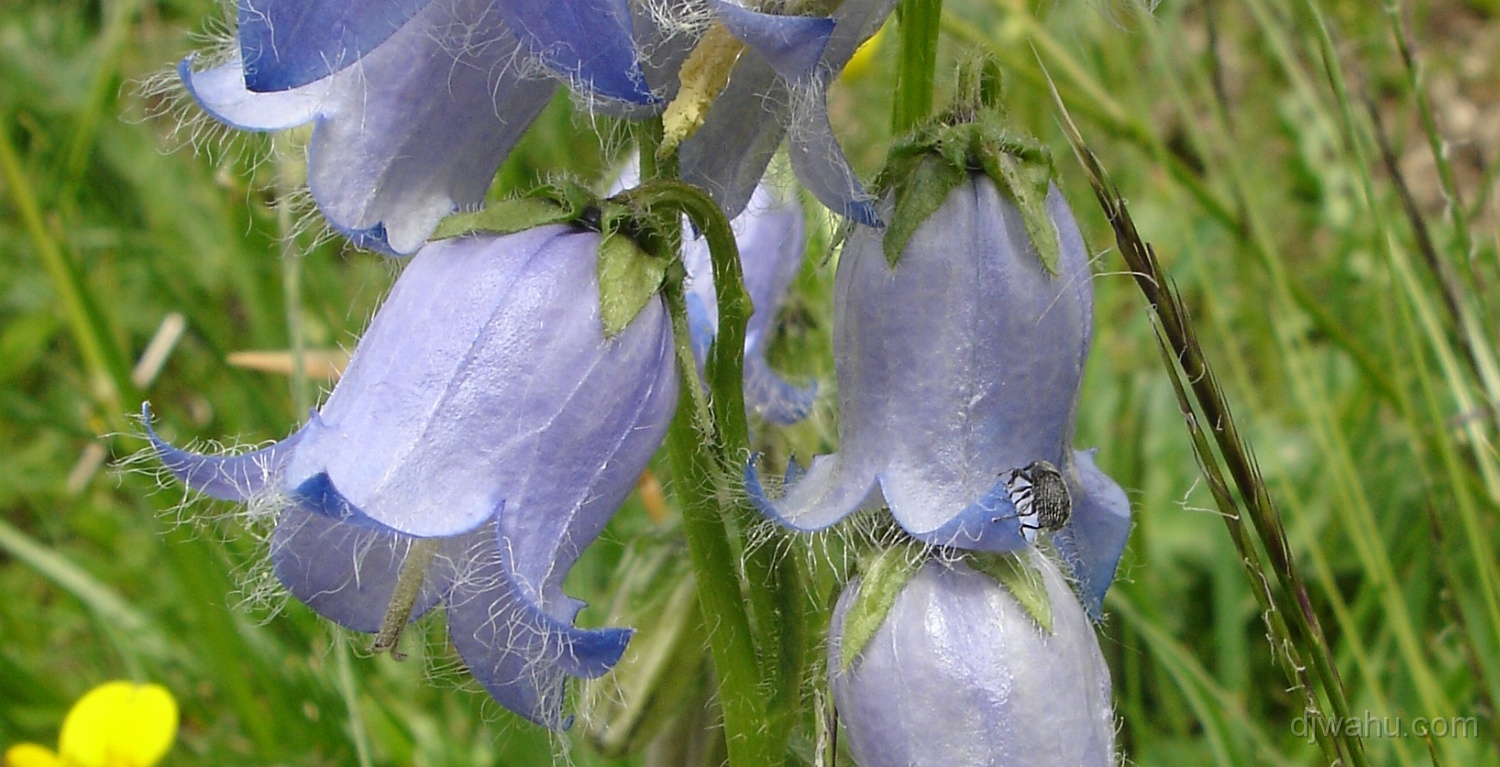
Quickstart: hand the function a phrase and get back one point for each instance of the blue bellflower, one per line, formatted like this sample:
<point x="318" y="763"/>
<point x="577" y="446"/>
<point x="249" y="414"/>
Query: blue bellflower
<point x="488" y="429"/>
<point x="956" y="368"/>
<point x="778" y="90"/>
<point x="286" y="44"/>
<point x="958" y="673"/>
<point x="415" y="103"/>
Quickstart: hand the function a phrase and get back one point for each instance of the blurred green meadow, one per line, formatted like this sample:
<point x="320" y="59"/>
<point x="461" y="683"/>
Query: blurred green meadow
<point x="1317" y="178"/>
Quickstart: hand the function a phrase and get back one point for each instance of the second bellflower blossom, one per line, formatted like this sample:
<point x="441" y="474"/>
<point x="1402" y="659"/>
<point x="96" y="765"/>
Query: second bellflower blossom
<point x="286" y="44"/>
<point x="483" y="434"/>
<point x="778" y="91"/>
<point x="958" y="673"/>
<point x="955" y="367"/>
<point x="413" y="129"/>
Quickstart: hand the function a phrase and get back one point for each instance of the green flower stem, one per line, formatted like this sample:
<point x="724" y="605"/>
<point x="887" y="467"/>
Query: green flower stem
<point x="291" y="275"/>
<point x="757" y="653"/>
<point x="920" y="21"/>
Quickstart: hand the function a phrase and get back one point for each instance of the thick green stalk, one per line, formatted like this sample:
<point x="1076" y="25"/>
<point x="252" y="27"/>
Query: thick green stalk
<point x="757" y="652"/>
<point x="919" y="23"/>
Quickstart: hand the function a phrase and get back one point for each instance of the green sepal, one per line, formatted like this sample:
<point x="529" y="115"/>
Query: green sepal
<point x="926" y="165"/>
<point x="927" y="182"/>
<point x="881" y="579"/>
<point x="628" y="278"/>
<point x="554" y="204"/>
<point x="1022" y="579"/>
<point x="1027" y="179"/>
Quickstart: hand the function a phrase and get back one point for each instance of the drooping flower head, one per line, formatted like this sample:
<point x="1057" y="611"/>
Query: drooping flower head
<point x="959" y="671"/>
<point x="485" y="431"/>
<point x="415" y="103"/>
<point x="960" y="339"/>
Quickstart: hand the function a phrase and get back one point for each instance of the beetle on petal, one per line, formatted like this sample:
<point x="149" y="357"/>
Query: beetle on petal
<point x="956" y="367"/>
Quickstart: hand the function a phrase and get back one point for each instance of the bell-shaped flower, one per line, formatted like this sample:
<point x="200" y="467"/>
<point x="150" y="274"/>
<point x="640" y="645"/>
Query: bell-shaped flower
<point x="959" y="673"/>
<point x="287" y="44"/>
<point x="958" y="368"/>
<point x="777" y="90"/>
<point x="413" y="129"/>
<point x="483" y="434"/>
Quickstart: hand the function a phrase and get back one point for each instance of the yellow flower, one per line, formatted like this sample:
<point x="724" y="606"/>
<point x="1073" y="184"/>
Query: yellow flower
<point x="117" y="724"/>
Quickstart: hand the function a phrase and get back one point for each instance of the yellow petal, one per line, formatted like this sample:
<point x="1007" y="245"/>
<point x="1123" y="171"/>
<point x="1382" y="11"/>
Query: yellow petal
<point x="30" y="755"/>
<point x="119" y="724"/>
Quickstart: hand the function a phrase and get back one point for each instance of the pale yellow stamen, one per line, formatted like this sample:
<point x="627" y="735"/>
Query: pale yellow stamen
<point x="703" y="77"/>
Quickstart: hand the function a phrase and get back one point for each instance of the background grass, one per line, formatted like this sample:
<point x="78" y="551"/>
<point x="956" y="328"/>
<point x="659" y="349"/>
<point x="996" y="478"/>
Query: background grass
<point x="1351" y="329"/>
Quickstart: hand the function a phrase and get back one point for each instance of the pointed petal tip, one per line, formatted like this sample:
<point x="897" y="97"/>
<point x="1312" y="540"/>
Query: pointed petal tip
<point x="773" y="510"/>
<point x="1093" y="541"/>
<point x="373" y="238"/>
<point x="521" y="655"/>
<point x="227" y="478"/>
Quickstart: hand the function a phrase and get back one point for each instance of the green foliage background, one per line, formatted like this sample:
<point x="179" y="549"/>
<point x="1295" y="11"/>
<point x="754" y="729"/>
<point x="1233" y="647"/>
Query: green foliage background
<point x="1243" y="136"/>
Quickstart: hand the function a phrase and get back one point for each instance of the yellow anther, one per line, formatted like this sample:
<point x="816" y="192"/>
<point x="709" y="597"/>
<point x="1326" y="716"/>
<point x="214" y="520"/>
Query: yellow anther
<point x="703" y="77"/>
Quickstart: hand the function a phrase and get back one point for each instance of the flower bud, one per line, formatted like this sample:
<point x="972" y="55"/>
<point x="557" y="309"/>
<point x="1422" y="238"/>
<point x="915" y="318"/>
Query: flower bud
<point x="959" y="673"/>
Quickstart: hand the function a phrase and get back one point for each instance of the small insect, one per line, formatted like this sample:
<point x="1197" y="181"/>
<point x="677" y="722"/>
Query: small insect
<point x="1041" y="498"/>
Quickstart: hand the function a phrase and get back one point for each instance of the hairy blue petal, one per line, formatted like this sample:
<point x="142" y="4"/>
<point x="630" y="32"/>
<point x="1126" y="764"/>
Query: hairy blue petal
<point x="776" y="93"/>
<point x="832" y="488"/>
<point x="580" y="468"/>
<point x="958" y="673"/>
<point x="221" y="92"/>
<point x="289" y="43"/>
<point x="819" y="161"/>
<point x="456" y="399"/>
<point x="414" y="131"/>
<point x="521" y="656"/>
<point x="225" y="477"/>
<point x="346" y="573"/>
<point x="792" y="45"/>
<point x="957" y="366"/>
<point x="1094" y="538"/>
<point x="590" y="42"/>
<point x="990" y="523"/>
<point x="728" y="155"/>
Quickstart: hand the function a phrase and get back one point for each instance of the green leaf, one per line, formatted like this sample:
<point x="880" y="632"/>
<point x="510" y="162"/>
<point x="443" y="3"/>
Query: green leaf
<point x="554" y="204"/>
<point x="880" y="582"/>
<point x="1027" y="179"/>
<point x="1022" y="580"/>
<point x="926" y="184"/>
<point x="628" y="278"/>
